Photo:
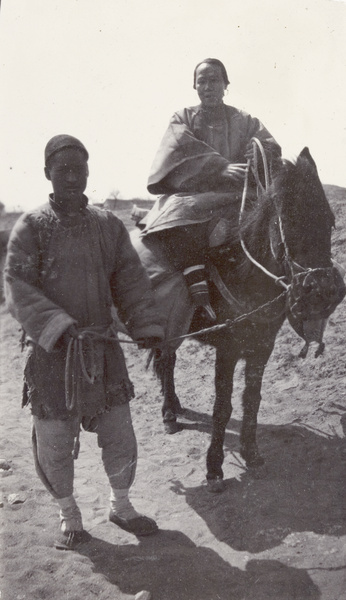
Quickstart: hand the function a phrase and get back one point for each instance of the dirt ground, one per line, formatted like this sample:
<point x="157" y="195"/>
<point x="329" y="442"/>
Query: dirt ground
<point x="278" y="537"/>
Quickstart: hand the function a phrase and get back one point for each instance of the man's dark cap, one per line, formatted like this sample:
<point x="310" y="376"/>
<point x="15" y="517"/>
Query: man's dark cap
<point x="61" y="142"/>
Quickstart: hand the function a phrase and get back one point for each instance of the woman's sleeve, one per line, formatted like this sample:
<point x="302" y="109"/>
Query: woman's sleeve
<point x="258" y="130"/>
<point x="183" y="162"/>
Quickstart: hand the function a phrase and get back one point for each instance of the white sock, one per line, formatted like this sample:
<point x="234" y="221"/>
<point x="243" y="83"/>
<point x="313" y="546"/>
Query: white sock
<point x="121" y="505"/>
<point x="70" y="515"/>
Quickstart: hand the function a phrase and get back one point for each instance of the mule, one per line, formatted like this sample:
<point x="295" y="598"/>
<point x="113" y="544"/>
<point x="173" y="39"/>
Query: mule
<point x="276" y="264"/>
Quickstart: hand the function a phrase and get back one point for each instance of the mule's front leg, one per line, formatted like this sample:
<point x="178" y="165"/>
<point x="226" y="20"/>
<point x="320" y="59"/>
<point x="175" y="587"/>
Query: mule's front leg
<point x="171" y="405"/>
<point x="251" y="403"/>
<point x="224" y="371"/>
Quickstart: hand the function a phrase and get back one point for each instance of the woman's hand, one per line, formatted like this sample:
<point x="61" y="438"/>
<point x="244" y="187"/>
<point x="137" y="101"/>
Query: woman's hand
<point x="235" y="172"/>
<point x="250" y="152"/>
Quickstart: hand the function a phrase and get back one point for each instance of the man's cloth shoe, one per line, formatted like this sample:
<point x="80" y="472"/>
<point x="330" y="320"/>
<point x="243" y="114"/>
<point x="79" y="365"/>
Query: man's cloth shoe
<point x="70" y="540"/>
<point x="140" y="525"/>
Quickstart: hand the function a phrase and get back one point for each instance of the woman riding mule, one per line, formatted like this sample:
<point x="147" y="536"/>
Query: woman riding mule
<point x="200" y="168"/>
<point x="277" y="264"/>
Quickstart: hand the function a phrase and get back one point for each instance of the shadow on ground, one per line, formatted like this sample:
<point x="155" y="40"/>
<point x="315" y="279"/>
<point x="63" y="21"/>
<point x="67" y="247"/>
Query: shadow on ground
<point x="173" y="568"/>
<point x="302" y="488"/>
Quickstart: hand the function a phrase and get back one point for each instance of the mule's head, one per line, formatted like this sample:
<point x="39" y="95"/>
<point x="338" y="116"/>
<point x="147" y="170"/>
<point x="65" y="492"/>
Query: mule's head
<point x="304" y="218"/>
<point x="301" y="240"/>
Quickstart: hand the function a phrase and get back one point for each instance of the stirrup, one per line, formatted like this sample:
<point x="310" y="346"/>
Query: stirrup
<point x="209" y="309"/>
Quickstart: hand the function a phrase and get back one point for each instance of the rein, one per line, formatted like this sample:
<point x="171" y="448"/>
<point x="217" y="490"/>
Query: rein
<point x="257" y="144"/>
<point x="229" y="323"/>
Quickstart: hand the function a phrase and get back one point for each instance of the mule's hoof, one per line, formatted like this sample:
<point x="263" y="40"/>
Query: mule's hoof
<point x="253" y="459"/>
<point x="172" y="427"/>
<point x="216" y="486"/>
<point x="178" y="409"/>
<point x="258" y="472"/>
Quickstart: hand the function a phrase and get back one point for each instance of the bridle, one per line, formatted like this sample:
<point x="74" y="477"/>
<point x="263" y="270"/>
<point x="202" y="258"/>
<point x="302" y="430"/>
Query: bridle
<point x="305" y="282"/>
<point x="294" y="267"/>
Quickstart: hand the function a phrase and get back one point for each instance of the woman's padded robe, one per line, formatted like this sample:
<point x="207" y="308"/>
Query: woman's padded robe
<point x="63" y="270"/>
<point x="195" y="149"/>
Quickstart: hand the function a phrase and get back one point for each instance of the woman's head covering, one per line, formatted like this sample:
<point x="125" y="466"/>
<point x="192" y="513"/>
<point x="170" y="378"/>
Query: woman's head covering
<point x="217" y="63"/>
<point x="60" y="142"/>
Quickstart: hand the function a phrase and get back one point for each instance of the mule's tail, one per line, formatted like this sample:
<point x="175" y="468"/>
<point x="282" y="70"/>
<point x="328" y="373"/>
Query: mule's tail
<point x="156" y="358"/>
<point x="161" y="361"/>
<point x="151" y="357"/>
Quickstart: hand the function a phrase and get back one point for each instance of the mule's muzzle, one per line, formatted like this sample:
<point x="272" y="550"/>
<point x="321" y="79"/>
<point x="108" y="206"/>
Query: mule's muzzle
<point x="312" y="298"/>
<point x="315" y="294"/>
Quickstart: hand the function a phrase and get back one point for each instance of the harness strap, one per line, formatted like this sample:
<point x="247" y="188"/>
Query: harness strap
<point x="223" y="289"/>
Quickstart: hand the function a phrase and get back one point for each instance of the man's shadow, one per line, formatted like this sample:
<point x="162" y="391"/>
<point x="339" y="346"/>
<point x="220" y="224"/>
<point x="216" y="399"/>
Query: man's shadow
<point x="171" y="567"/>
<point x="303" y="487"/>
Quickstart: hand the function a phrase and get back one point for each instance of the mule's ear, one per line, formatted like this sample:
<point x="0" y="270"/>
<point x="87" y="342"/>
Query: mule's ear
<point x="305" y="153"/>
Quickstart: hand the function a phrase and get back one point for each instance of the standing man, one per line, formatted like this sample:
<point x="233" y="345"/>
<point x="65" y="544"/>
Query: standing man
<point x="67" y="264"/>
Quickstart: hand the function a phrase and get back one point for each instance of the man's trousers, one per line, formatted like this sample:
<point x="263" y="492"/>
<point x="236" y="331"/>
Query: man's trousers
<point x="53" y="445"/>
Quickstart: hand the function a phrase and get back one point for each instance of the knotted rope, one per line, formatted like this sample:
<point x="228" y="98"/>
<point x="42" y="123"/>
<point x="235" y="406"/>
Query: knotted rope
<point x="76" y="369"/>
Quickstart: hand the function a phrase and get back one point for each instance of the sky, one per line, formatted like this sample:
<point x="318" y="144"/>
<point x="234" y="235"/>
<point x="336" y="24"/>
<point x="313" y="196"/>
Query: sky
<point x="112" y="72"/>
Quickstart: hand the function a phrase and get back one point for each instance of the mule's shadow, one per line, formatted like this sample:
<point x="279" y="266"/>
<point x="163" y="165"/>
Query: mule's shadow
<point x="303" y="488"/>
<point x="173" y="568"/>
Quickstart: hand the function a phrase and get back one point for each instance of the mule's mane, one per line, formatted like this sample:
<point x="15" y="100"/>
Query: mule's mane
<point x="300" y="193"/>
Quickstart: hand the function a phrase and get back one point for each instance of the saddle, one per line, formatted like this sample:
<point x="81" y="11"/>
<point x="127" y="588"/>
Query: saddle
<point x="219" y="230"/>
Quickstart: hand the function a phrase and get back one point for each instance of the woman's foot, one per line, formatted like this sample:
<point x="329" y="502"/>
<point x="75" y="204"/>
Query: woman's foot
<point x="198" y="288"/>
